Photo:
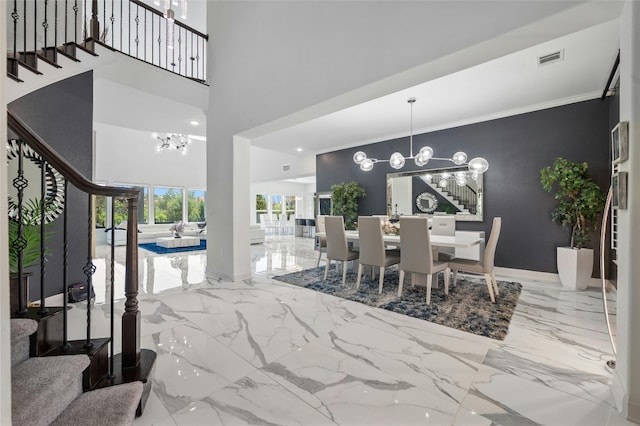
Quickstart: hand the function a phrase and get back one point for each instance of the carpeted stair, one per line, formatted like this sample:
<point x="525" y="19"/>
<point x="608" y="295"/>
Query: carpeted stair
<point x="48" y="390"/>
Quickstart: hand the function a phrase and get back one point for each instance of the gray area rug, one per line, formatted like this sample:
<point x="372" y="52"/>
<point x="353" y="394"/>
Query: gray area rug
<point x="467" y="307"/>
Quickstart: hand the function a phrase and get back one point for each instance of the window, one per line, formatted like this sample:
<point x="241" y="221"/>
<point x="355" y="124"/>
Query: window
<point x="101" y="211"/>
<point x="276" y="204"/>
<point x="261" y="206"/>
<point x="167" y="205"/>
<point x="290" y="206"/>
<point x="196" y="206"/>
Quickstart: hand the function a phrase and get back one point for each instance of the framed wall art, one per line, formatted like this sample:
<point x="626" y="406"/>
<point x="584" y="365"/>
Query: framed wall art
<point x="620" y="142"/>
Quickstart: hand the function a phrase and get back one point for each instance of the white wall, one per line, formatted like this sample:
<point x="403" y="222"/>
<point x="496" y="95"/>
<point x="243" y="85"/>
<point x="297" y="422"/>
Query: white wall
<point x="275" y="64"/>
<point x="266" y="165"/>
<point x="128" y="156"/>
<point x="627" y="373"/>
<point x="5" y="328"/>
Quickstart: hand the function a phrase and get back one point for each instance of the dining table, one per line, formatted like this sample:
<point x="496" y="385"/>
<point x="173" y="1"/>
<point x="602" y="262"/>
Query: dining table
<point x="460" y="240"/>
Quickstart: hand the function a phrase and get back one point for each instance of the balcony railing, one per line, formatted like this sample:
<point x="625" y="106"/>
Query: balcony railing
<point x="45" y="28"/>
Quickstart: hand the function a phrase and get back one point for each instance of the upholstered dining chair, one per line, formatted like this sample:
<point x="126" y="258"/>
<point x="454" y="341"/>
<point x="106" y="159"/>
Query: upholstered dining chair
<point x="416" y="256"/>
<point x="337" y="247"/>
<point x="321" y="242"/>
<point x="372" y="251"/>
<point x="443" y="225"/>
<point x="484" y="267"/>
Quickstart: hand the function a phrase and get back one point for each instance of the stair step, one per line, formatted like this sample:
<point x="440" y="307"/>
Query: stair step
<point x="142" y="374"/>
<point x="69" y="50"/>
<point x="98" y="354"/>
<point x="50" y="56"/>
<point x="21" y="329"/>
<point x="50" y="329"/>
<point x="115" y="405"/>
<point x="29" y="60"/>
<point x="12" y="70"/>
<point x="41" y="388"/>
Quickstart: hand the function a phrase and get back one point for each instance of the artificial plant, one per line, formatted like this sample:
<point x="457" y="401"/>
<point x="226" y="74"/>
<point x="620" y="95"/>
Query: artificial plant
<point x="344" y="201"/>
<point x="580" y="200"/>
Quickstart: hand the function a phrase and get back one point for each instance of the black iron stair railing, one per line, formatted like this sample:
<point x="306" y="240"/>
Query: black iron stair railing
<point x="106" y="368"/>
<point x="128" y="26"/>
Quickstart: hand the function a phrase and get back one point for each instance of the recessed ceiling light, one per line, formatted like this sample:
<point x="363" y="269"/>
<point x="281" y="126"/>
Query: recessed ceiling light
<point x="299" y="149"/>
<point x="194" y="122"/>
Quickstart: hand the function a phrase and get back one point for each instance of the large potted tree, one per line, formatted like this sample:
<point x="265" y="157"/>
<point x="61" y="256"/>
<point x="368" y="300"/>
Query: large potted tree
<point x="344" y="202"/>
<point x="580" y="202"/>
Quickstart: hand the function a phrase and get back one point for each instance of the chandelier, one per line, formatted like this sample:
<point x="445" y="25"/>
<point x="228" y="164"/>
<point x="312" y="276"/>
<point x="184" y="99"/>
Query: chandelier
<point x="168" y="7"/>
<point x="397" y="160"/>
<point x="172" y="142"/>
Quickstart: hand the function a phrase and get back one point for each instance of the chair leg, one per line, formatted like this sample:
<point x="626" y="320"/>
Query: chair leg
<point x="360" y="268"/>
<point x="319" y="256"/>
<point x="373" y="272"/>
<point x="455" y="277"/>
<point x="413" y="279"/>
<point x="446" y="281"/>
<point x="381" y="280"/>
<point x="344" y="272"/>
<point x="429" y="279"/>
<point x="400" y="281"/>
<point x="495" y="284"/>
<point x="487" y="278"/>
<point x="326" y="269"/>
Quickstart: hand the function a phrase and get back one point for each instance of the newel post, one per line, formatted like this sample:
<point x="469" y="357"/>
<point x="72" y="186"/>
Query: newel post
<point x="131" y="316"/>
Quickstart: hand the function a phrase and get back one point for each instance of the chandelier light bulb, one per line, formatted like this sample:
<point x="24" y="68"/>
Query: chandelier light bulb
<point x="426" y="152"/>
<point x="461" y="181"/>
<point x="478" y="165"/>
<point x="459" y="158"/>
<point x="359" y="157"/>
<point x="366" y="165"/>
<point x="446" y="175"/>
<point x="428" y="177"/>
<point x="421" y="160"/>
<point x="397" y="160"/>
<point x="443" y="183"/>
<point x="474" y="175"/>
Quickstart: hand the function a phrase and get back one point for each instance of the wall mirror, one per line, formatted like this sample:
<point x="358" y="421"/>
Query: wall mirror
<point x="447" y="191"/>
<point x="32" y="193"/>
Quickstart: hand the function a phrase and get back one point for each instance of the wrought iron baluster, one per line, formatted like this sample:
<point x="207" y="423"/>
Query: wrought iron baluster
<point x="55" y="27"/>
<point x="24" y="26"/>
<point x="129" y="32"/>
<point x="112" y="269"/>
<point x="159" y="42"/>
<point x="152" y="37"/>
<point x="166" y="45"/>
<point x="43" y="202"/>
<point x="145" y="36"/>
<point x="89" y="269"/>
<point x="15" y="17"/>
<point x="137" y="20"/>
<point x="179" y="50"/>
<point x="65" y="266"/>
<point x="35" y="27"/>
<point x="85" y="33"/>
<point x="20" y="183"/>
<point x="75" y="25"/>
<point x="121" y="19"/>
<point x="112" y="21"/>
<point x="191" y="58"/>
<point x="104" y="21"/>
<point x="198" y="57"/>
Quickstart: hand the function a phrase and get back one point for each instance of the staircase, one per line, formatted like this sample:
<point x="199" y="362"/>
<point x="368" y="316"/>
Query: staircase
<point x="463" y="198"/>
<point x="56" y="380"/>
<point x="49" y="390"/>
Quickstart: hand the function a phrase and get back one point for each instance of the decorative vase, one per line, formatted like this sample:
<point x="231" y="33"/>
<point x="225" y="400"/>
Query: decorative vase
<point x="574" y="267"/>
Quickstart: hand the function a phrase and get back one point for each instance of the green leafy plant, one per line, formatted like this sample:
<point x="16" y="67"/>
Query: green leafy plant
<point x="344" y="199"/>
<point x="30" y="233"/>
<point x="580" y="200"/>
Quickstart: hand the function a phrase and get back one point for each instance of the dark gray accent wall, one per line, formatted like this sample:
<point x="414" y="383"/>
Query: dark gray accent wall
<point x="516" y="147"/>
<point x="62" y="115"/>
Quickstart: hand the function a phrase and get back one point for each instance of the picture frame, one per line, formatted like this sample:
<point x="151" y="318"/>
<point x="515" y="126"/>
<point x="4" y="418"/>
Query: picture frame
<point x="619" y="189"/>
<point x="620" y="142"/>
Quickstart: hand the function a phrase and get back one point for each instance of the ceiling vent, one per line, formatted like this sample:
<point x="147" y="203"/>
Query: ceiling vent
<point x="551" y="58"/>
<point x="286" y="167"/>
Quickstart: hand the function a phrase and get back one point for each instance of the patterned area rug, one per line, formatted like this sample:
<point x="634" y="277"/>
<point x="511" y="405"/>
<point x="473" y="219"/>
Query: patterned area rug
<point x="467" y="307"/>
<point x="163" y="250"/>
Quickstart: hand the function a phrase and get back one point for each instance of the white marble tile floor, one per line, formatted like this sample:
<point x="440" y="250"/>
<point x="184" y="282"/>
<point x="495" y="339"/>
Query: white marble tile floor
<point x="262" y="352"/>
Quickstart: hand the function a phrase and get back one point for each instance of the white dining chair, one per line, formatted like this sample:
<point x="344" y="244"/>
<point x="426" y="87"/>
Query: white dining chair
<point x="484" y="267"/>
<point x="444" y="225"/>
<point x="321" y="242"/>
<point x="416" y="256"/>
<point x="337" y="247"/>
<point x="372" y="250"/>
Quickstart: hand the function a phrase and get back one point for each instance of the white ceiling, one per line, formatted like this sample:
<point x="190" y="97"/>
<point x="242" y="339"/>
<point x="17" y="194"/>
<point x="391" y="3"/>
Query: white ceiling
<point x="505" y="86"/>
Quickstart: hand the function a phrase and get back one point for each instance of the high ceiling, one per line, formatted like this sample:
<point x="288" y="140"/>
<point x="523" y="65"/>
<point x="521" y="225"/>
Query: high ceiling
<point x="505" y="86"/>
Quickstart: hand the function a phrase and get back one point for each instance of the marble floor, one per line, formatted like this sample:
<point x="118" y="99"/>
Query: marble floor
<point x="262" y="352"/>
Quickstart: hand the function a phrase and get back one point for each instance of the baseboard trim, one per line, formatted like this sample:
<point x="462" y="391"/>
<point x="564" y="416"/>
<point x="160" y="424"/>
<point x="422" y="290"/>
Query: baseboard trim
<point x="55" y="300"/>
<point x="548" y="277"/>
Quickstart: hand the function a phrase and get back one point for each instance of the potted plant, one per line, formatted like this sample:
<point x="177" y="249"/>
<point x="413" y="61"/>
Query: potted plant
<point x="344" y="201"/>
<point x="580" y="202"/>
<point x="30" y="253"/>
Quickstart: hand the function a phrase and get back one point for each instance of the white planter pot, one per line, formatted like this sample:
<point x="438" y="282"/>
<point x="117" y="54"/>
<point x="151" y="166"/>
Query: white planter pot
<point x="574" y="267"/>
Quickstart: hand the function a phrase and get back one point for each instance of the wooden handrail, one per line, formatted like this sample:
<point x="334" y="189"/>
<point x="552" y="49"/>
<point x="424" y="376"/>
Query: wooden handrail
<point x="25" y="133"/>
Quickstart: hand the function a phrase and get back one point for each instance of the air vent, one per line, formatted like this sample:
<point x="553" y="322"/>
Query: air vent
<point x="286" y="167"/>
<point x="551" y="58"/>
